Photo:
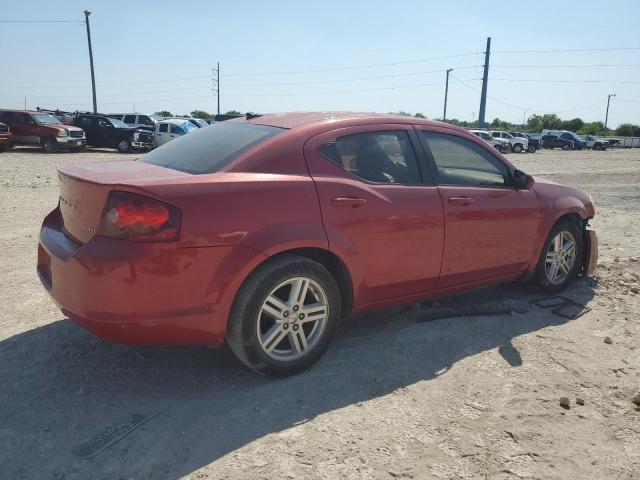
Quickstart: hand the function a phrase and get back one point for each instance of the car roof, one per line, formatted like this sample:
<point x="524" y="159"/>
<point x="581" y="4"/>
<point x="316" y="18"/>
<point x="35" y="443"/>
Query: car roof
<point x="292" y="120"/>
<point x="20" y="111"/>
<point x="174" y="121"/>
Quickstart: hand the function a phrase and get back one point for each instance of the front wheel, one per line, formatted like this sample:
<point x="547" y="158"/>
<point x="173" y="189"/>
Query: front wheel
<point x="566" y="147"/>
<point x="531" y="149"/>
<point x="559" y="262"/>
<point x="284" y="316"/>
<point x="124" y="146"/>
<point x="517" y="148"/>
<point x="50" y="145"/>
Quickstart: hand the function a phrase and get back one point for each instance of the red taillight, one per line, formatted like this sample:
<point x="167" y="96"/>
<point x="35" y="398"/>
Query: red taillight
<point x="134" y="217"/>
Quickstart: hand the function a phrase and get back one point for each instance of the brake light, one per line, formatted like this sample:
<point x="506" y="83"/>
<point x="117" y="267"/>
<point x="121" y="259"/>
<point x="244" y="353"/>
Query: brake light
<point x="133" y="217"/>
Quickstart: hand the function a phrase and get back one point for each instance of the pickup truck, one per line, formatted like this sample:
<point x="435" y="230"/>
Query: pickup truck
<point x="36" y="128"/>
<point x="554" y="141"/>
<point x="518" y="144"/>
<point x="534" y="143"/>
<point x="596" y="143"/>
<point x="500" y="144"/>
<point x="107" y="132"/>
<point x="5" y="137"/>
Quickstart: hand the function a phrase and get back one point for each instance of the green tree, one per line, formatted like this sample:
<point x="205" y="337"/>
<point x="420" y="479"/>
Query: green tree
<point x="164" y="113"/>
<point x="593" y="128"/>
<point x="573" y="125"/>
<point x="201" y="114"/>
<point x="234" y="112"/>
<point x="628" y="130"/>
<point x="419" y="115"/>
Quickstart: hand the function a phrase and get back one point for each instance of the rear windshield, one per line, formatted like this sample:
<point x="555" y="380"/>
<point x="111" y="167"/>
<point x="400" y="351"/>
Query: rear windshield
<point x="207" y="150"/>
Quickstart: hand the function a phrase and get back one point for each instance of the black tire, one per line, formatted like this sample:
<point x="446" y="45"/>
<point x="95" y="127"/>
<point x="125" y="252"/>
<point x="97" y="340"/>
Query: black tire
<point x="50" y="145"/>
<point x="566" y="147"/>
<point x="517" y="148"/>
<point x="540" y="278"/>
<point x="596" y="147"/>
<point x="531" y="149"/>
<point x="124" y="146"/>
<point x="242" y="332"/>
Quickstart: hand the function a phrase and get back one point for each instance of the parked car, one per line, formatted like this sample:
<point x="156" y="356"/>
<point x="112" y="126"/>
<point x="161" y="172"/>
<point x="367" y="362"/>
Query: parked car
<point x="554" y="141"/>
<point x="167" y="130"/>
<point x="198" y="122"/>
<point x="264" y="233"/>
<point x="518" y="144"/>
<point x="6" y="137"/>
<point x="533" y="140"/>
<point x="596" y="143"/>
<point x="137" y="119"/>
<point x="577" y="141"/>
<point x="35" y="128"/>
<point x="500" y="144"/>
<point x="107" y="132"/>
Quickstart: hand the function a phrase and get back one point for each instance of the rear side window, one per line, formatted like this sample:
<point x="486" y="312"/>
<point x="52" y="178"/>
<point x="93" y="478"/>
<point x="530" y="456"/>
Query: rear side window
<point x="207" y="150"/>
<point x="164" y="127"/>
<point x="129" y="119"/>
<point x="378" y="157"/>
<point x="462" y="162"/>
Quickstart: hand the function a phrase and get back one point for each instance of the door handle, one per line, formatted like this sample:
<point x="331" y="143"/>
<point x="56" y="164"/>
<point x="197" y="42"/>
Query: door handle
<point x="348" y="202"/>
<point x="460" y="201"/>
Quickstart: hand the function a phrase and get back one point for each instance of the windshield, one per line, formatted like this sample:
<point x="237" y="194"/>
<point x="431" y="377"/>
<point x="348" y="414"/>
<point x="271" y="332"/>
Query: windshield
<point x="118" y="123"/>
<point x="45" y="119"/>
<point x="189" y="127"/>
<point x="207" y="150"/>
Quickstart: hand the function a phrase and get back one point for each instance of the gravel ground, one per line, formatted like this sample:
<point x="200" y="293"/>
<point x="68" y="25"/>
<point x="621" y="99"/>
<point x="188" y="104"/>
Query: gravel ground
<point x="465" y="397"/>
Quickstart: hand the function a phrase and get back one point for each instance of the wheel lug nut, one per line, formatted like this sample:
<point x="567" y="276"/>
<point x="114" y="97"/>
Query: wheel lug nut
<point x="295" y="308"/>
<point x="301" y="316"/>
<point x="285" y="314"/>
<point x="295" y="327"/>
<point x="285" y="326"/>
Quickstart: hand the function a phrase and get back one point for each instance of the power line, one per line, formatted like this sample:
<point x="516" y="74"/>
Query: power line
<point x="41" y="21"/>
<point x="354" y="67"/>
<point x="623" y="82"/>
<point x="569" y="50"/>
<point x="569" y="66"/>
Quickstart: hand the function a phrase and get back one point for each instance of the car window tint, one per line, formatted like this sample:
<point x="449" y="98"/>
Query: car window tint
<point x="164" y="127"/>
<point x="144" y="120"/>
<point x="129" y="119"/>
<point x="207" y="150"/>
<point x="379" y="157"/>
<point x="462" y="162"/>
<point x="7" y="117"/>
<point x="176" y="129"/>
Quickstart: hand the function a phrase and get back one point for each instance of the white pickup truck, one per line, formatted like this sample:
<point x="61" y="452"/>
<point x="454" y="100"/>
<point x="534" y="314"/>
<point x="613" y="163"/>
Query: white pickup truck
<point x="500" y="144"/>
<point x="518" y="144"/>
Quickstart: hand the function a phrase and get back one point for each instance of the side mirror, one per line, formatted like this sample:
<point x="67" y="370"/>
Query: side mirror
<point x="522" y="181"/>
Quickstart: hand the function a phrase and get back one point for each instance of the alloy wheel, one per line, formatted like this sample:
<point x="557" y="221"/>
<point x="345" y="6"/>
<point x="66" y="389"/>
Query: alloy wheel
<point x="561" y="257"/>
<point x="292" y="319"/>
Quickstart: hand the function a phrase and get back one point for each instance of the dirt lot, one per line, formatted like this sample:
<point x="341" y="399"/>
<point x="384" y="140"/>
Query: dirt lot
<point x="466" y="397"/>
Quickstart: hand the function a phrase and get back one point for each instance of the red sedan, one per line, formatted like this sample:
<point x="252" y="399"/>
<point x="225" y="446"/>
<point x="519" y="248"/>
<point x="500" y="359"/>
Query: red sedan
<point x="266" y="231"/>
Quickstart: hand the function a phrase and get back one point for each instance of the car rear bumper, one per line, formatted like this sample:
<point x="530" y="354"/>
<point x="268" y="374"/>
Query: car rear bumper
<point x="136" y="292"/>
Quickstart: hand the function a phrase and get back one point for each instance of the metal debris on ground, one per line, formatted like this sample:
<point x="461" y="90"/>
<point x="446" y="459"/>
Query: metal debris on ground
<point x="564" y="307"/>
<point x="111" y="435"/>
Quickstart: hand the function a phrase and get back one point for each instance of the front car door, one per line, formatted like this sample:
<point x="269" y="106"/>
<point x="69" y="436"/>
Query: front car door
<point x="162" y="134"/>
<point x="490" y="227"/>
<point x="381" y="212"/>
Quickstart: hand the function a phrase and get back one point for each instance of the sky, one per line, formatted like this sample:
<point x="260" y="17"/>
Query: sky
<point x="382" y="56"/>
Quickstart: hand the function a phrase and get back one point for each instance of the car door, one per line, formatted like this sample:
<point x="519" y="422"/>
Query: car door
<point x="176" y="131"/>
<point x="162" y="134"/>
<point x="490" y="227"/>
<point x="88" y="125"/>
<point x="381" y="212"/>
<point x="17" y="130"/>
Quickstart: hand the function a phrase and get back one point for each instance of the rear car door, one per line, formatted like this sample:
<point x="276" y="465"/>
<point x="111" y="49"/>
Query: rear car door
<point x="88" y="125"/>
<point x="381" y="212"/>
<point x="490" y="227"/>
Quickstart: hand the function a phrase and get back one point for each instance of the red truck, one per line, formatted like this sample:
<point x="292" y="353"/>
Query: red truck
<point x="6" y="137"/>
<point x="38" y="128"/>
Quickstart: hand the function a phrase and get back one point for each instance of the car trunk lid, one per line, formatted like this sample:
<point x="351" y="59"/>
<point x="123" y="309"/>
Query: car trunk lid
<point x="84" y="190"/>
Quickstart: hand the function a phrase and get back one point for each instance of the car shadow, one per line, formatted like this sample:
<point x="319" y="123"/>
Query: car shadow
<point x="60" y="386"/>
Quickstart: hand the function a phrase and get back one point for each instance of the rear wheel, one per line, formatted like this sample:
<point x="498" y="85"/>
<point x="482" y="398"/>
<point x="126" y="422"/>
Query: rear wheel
<point x="50" y="145"/>
<point x="517" y="148"/>
<point x="531" y="149"/>
<point x="124" y="146"/>
<point x="284" y="316"/>
<point x="596" y="147"/>
<point x="566" y="147"/>
<point x="559" y="262"/>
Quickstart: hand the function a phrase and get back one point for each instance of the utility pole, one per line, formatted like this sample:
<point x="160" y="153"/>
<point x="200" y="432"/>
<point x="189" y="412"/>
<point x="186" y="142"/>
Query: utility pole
<point x="606" y="118"/>
<point x="524" y="115"/>
<point x="485" y="79"/>
<point x="446" y="92"/>
<point x="93" y="77"/>
<point x="216" y="83"/>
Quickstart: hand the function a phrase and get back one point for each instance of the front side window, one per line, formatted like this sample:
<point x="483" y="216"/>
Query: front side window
<point x="144" y="120"/>
<point x="129" y="119"/>
<point x="378" y="157"/>
<point x="164" y="128"/>
<point x="462" y="162"/>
